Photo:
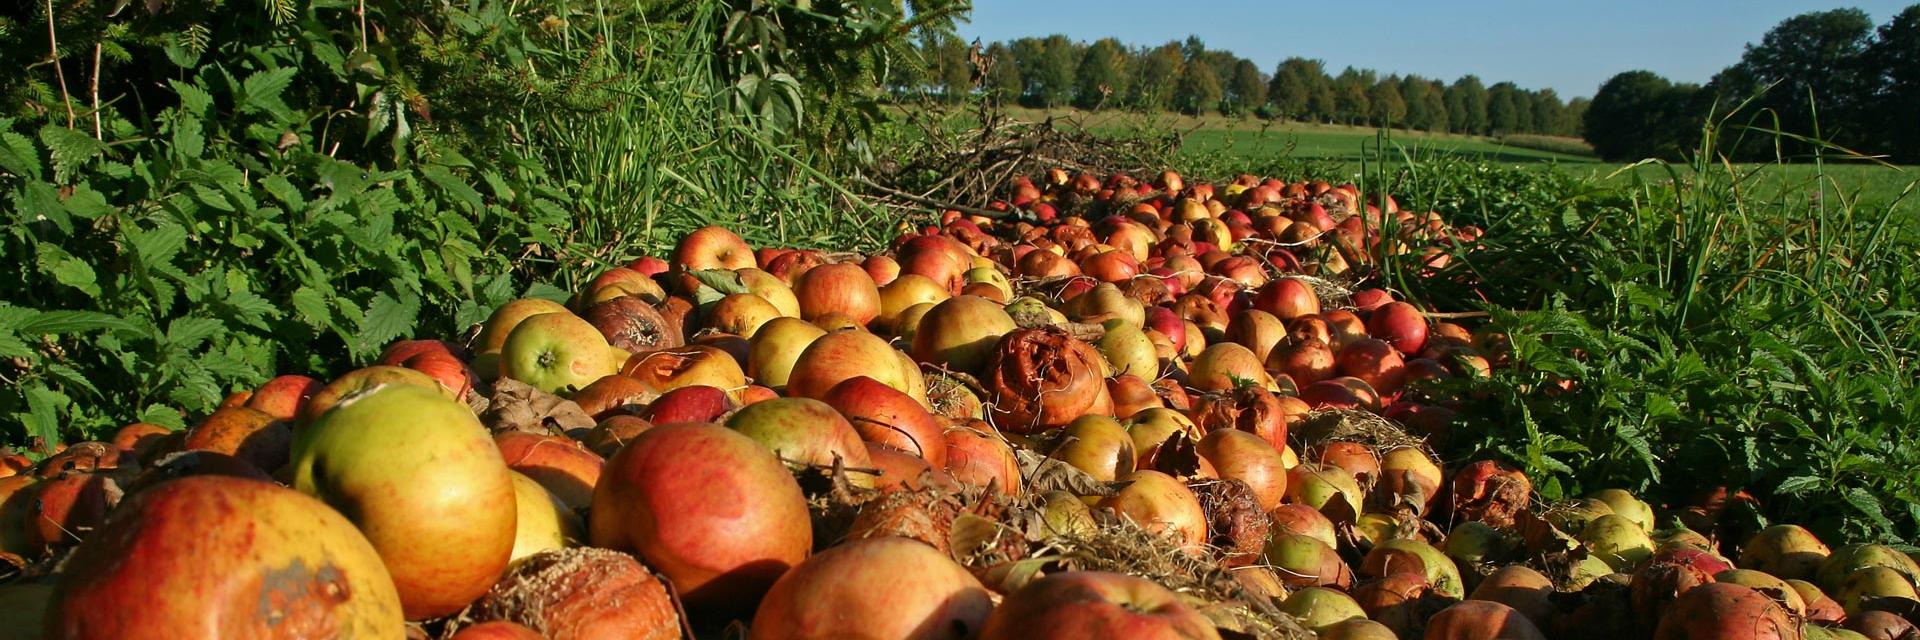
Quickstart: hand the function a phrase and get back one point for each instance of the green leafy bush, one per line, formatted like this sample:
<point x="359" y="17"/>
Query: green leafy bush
<point x="204" y="193"/>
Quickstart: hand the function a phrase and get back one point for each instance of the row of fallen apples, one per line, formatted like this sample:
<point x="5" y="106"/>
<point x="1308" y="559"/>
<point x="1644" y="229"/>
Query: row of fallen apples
<point x="824" y="447"/>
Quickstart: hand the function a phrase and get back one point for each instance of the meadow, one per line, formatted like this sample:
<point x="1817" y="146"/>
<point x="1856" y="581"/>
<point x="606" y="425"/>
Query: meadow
<point x="1347" y="149"/>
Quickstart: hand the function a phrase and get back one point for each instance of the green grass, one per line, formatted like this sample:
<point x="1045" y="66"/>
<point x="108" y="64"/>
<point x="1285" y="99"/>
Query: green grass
<point x="1344" y="150"/>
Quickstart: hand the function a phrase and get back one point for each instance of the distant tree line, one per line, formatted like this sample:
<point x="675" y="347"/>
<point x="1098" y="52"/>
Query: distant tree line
<point x="1186" y="76"/>
<point x="1826" y="74"/>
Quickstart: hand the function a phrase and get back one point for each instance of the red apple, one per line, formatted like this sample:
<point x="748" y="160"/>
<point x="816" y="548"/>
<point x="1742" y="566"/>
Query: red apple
<point x="1287" y="298"/>
<point x="938" y="258"/>
<point x="1241" y="455"/>
<point x="358" y="380"/>
<point x="707" y="507"/>
<point x="1097" y="445"/>
<point x="253" y="436"/>
<point x="740" y="314"/>
<point x="1091" y="604"/>
<point x="906" y="291"/>
<point x="1223" y="366"/>
<point x="804" y="432"/>
<point x="452" y="373"/>
<point x="838" y="288"/>
<point x="883" y="269"/>
<point x="562" y="466"/>
<point x="1401" y="325"/>
<point x="844" y="354"/>
<point x="137" y="438"/>
<point x="885" y="587"/>
<point x="981" y="458"/>
<point x="1162" y="504"/>
<point x="281" y="397"/>
<point x="648" y="265"/>
<point x="1373" y="361"/>
<point x="493" y="334"/>
<point x="692" y="403"/>
<point x="713" y="248"/>
<point x="884" y="415"/>
<point x="791" y="265"/>
<point x="619" y="282"/>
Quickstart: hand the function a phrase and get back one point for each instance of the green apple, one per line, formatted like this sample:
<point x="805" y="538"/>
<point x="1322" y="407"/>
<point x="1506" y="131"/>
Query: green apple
<point x="419" y="476"/>
<point x="554" y="352"/>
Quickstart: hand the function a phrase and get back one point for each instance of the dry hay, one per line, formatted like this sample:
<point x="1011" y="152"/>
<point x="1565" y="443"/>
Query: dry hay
<point x="1353" y="425"/>
<point x="944" y="169"/>
<point x="1120" y="546"/>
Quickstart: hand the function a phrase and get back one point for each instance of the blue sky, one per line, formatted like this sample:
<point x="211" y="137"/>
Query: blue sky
<point x="1569" y="46"/>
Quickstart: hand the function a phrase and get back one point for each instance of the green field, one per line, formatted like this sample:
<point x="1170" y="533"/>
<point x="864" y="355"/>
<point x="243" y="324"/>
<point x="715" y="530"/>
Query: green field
<point x="1251" y="140"/>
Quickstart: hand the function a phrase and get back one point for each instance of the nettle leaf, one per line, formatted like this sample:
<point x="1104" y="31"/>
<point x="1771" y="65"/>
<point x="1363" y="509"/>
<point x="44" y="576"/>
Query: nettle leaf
<point x="189" y="136"/>
<point x="64" y="322"/>
<point x="312" y="305"/>
<point x="18" y="156"/>
<point x="250" y="309"/>
<point x="70" y="149"/>
<point x="37" y="201"/>
<point x="164" y="416"/>
<point x="260" y="92"/>
<point x="1799" y="485"/>
<point x="11" y="346"/>
<point x="454" y="186"/>
<point x="42" y="418"/>
<point x="547" y="292"/>
<point x="387" y="318"/>
<point x="67" y="269"/>
<point x="284" y="191"/>
<point x="1869" y="506"/>
<point x="155" y="248"/>
<point x="71" y="378"/>
<point x="193" y="99"/>
<point x="187" y="334"/>
<point x="88" y="204"/>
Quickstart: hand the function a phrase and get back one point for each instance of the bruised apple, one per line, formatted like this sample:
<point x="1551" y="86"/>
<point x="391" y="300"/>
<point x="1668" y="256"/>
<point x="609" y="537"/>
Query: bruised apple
<point x="668" y="369"/>
<point x="223" y="557"/>
<point x="418" y="474"/>
<point x="709" y="508"/>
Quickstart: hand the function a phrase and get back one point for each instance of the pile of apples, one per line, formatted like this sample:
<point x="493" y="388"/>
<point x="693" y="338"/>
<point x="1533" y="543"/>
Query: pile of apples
<point x="900" y="445"/>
